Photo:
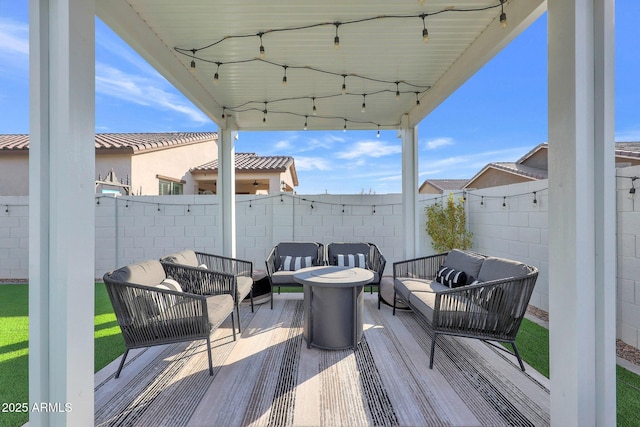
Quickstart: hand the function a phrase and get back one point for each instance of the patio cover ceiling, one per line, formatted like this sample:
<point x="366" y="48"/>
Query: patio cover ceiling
<point x="377" y="57"/>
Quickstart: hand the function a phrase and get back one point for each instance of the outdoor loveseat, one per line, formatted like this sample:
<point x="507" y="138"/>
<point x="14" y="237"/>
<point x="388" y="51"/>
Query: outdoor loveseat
<point x="467" y="294"/>
<point x="154" y="310"/>
<point x="207" y="274"/>
<point x="287" y="257"/>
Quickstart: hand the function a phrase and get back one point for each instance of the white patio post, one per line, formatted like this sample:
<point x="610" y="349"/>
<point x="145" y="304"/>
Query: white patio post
<point x="61" y="212"/>
<point x="227" y="187"/>
<point x="409" y="137"/>
<point x="582" y="216"/>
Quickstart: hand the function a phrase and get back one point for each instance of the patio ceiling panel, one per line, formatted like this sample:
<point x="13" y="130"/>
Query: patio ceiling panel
<point x="376" y="57"/>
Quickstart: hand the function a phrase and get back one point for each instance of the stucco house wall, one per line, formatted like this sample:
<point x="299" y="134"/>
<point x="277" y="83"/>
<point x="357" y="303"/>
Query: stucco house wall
<point x="14" y="174"/>
<point x="172" y="162"/>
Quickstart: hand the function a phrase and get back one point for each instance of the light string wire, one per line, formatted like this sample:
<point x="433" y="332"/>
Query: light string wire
<point x="337" y="24"/>
<point x="421" y="88"/>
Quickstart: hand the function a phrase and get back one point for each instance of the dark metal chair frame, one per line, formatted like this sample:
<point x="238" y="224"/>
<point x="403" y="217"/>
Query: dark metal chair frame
<point x="221" y="274"/>
<point x="186" y="319"/>
<point x="489" y="311"/>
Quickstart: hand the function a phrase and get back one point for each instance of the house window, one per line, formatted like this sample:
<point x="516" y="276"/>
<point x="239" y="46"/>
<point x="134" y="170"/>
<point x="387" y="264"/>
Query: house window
<point x="169" y="186"/>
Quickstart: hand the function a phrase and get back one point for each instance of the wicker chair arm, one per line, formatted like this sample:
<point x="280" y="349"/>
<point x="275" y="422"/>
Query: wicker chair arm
<point x="271" y="262"/>
<point x="201" y="281"/>
<point x="421" y="268"/>
<point x="378" y="261"/>
<point x="148" y="315"/>
<point x="493" y="309"/>
<point x="226" y="265"/>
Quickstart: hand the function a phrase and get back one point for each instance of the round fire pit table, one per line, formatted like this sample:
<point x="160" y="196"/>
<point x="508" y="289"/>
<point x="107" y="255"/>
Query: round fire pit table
<point x="333" y="299"/>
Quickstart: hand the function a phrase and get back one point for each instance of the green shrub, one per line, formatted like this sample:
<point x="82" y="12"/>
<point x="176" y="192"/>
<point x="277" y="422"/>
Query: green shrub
<point x="447" y="225"/>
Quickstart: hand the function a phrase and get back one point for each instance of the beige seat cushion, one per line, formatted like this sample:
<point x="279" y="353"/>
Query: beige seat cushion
<point x="149" y="273"/>
<point x="219" y="308"/>
<point x="406" y="285"/>
<point x="243" y="286"/>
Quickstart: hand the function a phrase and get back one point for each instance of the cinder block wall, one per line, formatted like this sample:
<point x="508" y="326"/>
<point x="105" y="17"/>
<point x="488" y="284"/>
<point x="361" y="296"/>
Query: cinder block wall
<point x="149" y="227"/>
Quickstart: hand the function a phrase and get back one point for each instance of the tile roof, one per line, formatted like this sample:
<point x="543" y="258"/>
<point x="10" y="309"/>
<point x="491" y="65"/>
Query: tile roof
<point x="121" y="141"/>
<point x="628" y="149"/>
<point x="15" y="142"/>
<point x="446" y="184"/>
<point x="520" y="169"/>
<point x="251" y="162"/>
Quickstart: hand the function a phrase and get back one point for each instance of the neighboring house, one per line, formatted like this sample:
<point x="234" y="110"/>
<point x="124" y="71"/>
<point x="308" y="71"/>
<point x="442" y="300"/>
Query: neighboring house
<point x="254" y="174"/>
<point x="441" y="186"/>
<point x="143" y="163"/>
<point x="534" y="165"/>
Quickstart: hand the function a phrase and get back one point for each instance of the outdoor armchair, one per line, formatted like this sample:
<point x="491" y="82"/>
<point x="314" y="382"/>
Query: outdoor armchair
<point x="287" y="257"/>
<point x="207" y="274"/>
<point x="152" y="310"/>
<point x="373" y="259"/>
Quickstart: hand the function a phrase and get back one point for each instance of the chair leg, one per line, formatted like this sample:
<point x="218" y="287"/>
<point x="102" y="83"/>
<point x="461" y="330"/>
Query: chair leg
<point x="124" y="356"/>
<point x="433" y="349"/>
<point x="209" y="354"/>
<point x="233" y="326"/>
<point x="238" y="317"/>
<point x="394" y="302"/>
<point x="515" y="351"/>
<point x="251" y="296"/>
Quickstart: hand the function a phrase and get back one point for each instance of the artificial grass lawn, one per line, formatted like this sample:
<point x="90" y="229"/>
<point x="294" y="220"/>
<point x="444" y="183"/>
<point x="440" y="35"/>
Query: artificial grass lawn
<point x="14" y="320"/>
<point x="532" y="341"/>
<point x="533" y="345"/>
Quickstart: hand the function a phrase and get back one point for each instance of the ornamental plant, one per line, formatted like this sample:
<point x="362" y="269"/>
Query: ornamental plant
<point x="447" y="225"/>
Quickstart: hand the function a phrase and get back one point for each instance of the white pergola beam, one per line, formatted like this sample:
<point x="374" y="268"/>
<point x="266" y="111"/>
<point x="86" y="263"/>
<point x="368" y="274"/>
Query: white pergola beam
<point x="409" y="136"/>
<point x="226" y="186"/>
<point x="61" y="212"/>
<point x="582" y="217"/>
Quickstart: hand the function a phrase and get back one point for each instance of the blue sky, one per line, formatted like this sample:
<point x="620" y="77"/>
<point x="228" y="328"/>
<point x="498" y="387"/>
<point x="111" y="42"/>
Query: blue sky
<point x="498" y="115"/>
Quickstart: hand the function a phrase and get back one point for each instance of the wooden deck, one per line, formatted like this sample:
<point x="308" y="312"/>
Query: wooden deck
<point x="269" y="377"/>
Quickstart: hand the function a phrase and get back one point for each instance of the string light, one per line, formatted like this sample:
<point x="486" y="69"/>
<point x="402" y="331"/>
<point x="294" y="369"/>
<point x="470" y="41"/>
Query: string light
<point x="336" y="39"/>
<point x="425" y="32"/>
<point x="503" y="16"/>
<point x="305" y="123"/>
<point x="535" y="200"/>
<point x="6" y="210"/>
<point x="262" y="51"/>
<point x="158" y="207"/>
<point x="193" y="61"/>
<point x="344" y="129"/>
<point x="397" y="90"/>
<point x="378" y="133"/>
<point x="632" y="190"/>
<point x="344" y="84"/>
<point x="374" y="209"/>
<point x="223" y="108"/>
<point x="504" y="202"/>
<point x="482" y="201"/>
<point x="284" y="78"/>
<point x="417" y="99"/>
<point x="216" y="76"/>
<point x="364" y="105"/>
<point x="188" y="208"/>
<point x="314" y="109"/>
<point x="264" y="117"/>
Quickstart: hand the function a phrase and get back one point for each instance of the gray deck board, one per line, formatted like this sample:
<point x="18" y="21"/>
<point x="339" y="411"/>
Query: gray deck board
<point x="269" y="377"/>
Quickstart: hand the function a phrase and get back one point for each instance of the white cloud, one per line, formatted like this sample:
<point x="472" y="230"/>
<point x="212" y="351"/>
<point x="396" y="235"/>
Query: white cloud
<point x="14" y="38"/>
<point x="432" y="144"/>
<point x="143" y="91"/>
<point x="370" y="149"/>
<point x="312" y="163"/>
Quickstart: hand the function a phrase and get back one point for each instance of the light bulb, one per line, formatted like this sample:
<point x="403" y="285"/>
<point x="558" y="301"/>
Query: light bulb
<point x="503" y="20"/>
<point x="193" y="66"/>
<point x="425" y="35"/>
<point x="216" y="78"/>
